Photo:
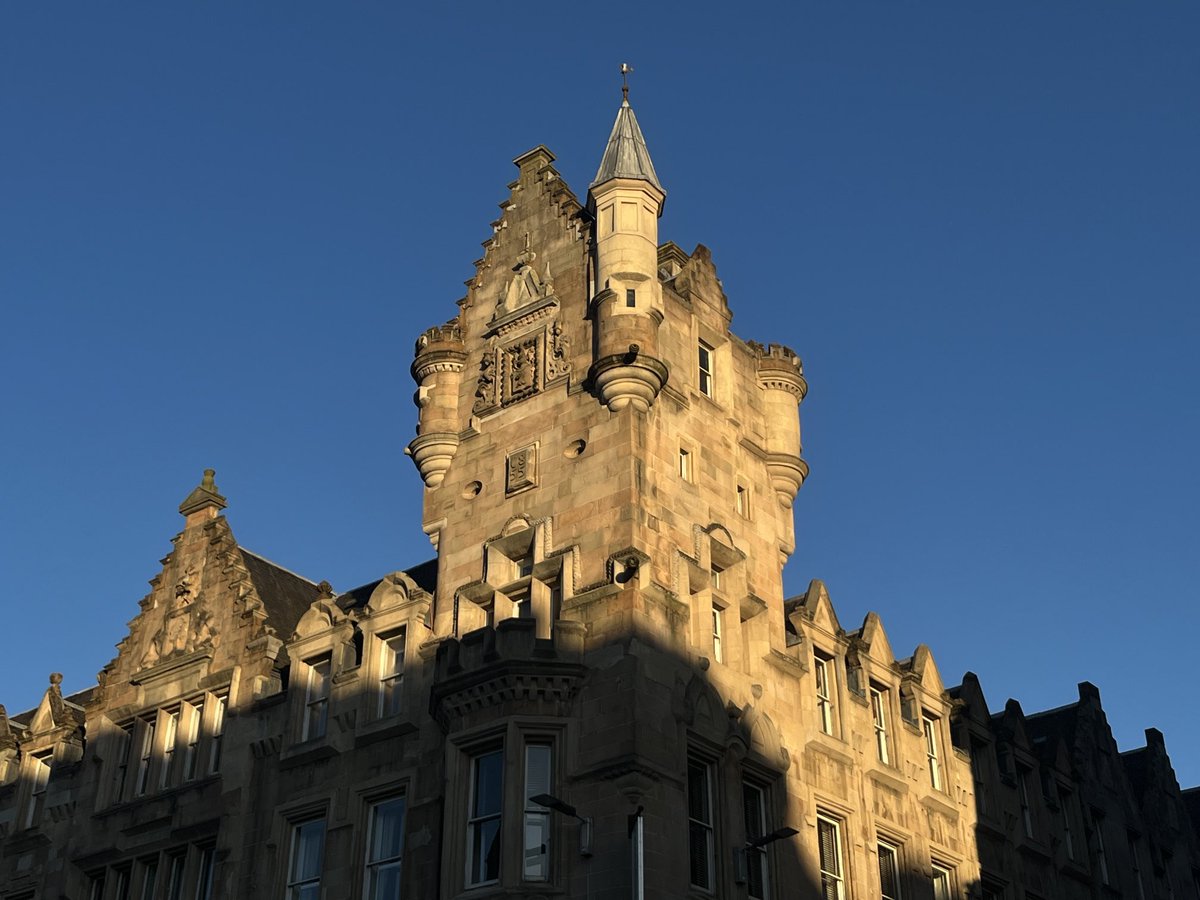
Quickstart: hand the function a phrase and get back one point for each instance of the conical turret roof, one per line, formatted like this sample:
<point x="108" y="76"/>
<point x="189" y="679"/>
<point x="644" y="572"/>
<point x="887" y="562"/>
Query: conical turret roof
<point x="626" y="155"/>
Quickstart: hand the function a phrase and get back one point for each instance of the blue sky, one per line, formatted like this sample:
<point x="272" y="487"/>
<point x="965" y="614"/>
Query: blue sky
<point x="223" y="225"/>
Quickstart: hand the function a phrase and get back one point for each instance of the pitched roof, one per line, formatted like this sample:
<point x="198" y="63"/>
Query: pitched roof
<point x="626" y="155"/>
<point x="285" y="594"/>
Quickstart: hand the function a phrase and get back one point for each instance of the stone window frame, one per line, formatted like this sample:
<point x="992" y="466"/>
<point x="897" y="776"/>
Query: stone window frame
<point x="836" y="868"/>
<point x="932" y="737"/>
<point x="371" y="802"/>
<point x="825" y="691"/>
<point x="896" y="847"/>
<point x="697" y="760"/>
<point x="292" y="879"/>
<point x="309" y="667"/>
<point x="36" y="769"/>
<point x="720" y="363"/>
<point x="551" y="581"/>
<point x="942" y="872"/>
<point x="879" y="699"/>
<point x="511" y="738"/>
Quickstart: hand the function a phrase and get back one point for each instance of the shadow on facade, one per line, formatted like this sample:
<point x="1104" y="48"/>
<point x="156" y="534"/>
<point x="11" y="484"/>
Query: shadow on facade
<point x="676" y="777"/>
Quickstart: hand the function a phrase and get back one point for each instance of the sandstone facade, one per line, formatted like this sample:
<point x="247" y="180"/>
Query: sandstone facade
<point x="610" y="475"/>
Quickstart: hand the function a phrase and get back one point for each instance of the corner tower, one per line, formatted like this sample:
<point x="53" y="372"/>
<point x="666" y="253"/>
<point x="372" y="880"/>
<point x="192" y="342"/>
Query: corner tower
<point x="625" y="202"/>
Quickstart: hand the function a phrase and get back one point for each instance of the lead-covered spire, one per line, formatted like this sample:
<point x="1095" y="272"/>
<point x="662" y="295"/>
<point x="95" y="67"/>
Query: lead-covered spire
<point x="626" y="155"/>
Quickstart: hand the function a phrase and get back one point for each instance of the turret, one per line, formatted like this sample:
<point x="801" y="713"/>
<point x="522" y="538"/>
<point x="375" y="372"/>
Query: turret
<point x="780" y="375"/>
<point x="437" y="370"/>
<point x="626" y="200"/>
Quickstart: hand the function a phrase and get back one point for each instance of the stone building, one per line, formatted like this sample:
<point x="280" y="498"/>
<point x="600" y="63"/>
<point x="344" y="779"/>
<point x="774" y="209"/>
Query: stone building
<point x="597" y="688"/>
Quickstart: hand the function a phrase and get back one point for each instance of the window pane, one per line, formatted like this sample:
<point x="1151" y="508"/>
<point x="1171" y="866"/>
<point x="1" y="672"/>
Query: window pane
<point x="489" y="772"/>
<point x="309" y="845"/>
<point x="485" y="851"/>
<point x="387" y="829"/>
<point x="384" y="883"/>
<point x="889" y="873"/>
<point x="536" y="846"/>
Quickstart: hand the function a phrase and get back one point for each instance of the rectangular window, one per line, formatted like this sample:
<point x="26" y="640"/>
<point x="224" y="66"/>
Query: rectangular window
<point x="536" y="847"/>
<point x="1136" y="866"/>
<point x="823" y="669"/>
<point x="1065" y="802"/>
<point x="978" y="776"/>
<point x="191" y="740"/>
<point x="40" y="779"/>
<point x="121" y="885"/>
<point x="889" y="871"/>
<point x="705" y="369"/>
<point x="941" y="882"/>
<point x="1101" y="854"/>
<point x="1023" y="793"/>
<point x="385" y="849"/>
<point x="630" y="298"/>
<point x="930" y="726"/>
<point x="743" y="501"/>
<point x="685" y="464"/>
<point x="175" y="866"/>
<point x="123" y="751"/>
<point x="149" y="879"/>
<point x="391" y="674"/>
<point x="880" y="718"/>
<point x="700" y="825"/>
<point x="218" y="735"/>
<point x="307" y="856"/>
<point x="754" y="805"/>
<point x="144" y="757"/>
<point x="204" y="878"/>
<point x="96" y="887"/>
<point x="483" y="824"/>
<point x="316" y="700"/>
<point x="829" y="851"/>
<point x="718" y="650"/>
<point x="170" y="732"/>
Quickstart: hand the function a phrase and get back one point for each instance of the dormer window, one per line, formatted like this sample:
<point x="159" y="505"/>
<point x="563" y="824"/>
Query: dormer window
<point x="316" y="700"/>
<point x="39" y="780"/>
<point x="391" y="674"/>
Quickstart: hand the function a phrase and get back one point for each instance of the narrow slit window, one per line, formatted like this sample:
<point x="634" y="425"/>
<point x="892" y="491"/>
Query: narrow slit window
<point x="823" y="669"/>
<point x="743" y="501"/>
<point x="630" y="298"/>
<point x="718" y="636"/>
<point x="685" y="464"/>
<point x="930" y="726"/>
<point x="705" y="369"/>
<point x="879" y="715"/>
<point x="700" y="825"/>
<point x="170" y="732"/>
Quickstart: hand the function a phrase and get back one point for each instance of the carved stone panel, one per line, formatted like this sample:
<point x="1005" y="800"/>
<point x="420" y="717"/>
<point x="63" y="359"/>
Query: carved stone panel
<point x="522" y="375"/>
<point x="521" y="471"/>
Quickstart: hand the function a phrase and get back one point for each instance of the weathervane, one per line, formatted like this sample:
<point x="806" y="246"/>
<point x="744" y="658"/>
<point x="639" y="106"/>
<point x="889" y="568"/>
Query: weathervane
<point x="626" y="68"/>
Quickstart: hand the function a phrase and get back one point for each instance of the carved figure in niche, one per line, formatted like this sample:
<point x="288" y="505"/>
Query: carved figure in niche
<point x="558" y="361"/>
<point x="485" y="388"/>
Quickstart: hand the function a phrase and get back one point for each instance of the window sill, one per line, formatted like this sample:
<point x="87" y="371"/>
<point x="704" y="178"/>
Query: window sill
<point x="309" y="752"/>
<point x="383" y="730"/>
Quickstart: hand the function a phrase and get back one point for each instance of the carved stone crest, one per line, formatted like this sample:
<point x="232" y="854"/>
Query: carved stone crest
<point x="521" y="471"/>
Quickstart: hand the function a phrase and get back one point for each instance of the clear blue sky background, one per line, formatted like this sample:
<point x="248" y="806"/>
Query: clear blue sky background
<point x="222" y="226"/>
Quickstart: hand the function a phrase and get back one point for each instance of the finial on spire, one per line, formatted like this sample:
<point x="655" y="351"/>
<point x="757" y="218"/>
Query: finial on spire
<point x="626" y="68"/>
